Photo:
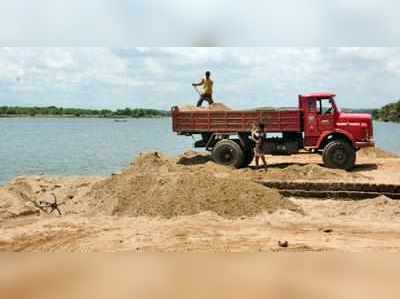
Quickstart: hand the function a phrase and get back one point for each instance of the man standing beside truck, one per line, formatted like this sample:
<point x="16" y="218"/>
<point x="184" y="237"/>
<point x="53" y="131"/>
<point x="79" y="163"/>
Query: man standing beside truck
<point x="258" y="136"/>
<point x="206" y="95"/>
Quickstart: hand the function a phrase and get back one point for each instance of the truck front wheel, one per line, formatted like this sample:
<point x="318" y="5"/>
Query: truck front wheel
<point x="339" y="154"/>
<point x="228" y="152"/>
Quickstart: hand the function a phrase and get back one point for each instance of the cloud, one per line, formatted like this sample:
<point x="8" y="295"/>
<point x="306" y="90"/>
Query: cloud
<point x="160" y="77"/>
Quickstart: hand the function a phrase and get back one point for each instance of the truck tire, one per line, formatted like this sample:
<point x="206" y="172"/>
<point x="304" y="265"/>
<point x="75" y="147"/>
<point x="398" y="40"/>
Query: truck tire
<point x="228" y="152"/>
<point x="248" y="156"/>
<point x="339" y="154"/>
<point x="248" y="153"/>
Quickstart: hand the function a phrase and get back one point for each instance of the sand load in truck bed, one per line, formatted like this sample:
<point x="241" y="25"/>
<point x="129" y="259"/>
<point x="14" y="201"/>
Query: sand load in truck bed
<point x="212" y="107"/>
<point x="156" y="186"/>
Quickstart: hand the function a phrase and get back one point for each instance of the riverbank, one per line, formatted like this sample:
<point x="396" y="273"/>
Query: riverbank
<point x="388" y="113"/>
<point x="53" y="111"/>
<point x="81" y="116"/>
<point x="161" y="204"/>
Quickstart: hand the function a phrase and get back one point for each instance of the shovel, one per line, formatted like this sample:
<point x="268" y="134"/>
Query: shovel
<point x="197" y="90"/>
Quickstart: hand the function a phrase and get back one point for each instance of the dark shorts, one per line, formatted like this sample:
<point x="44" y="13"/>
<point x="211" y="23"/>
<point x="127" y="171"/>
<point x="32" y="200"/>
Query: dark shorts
<point x="259" y="149"/>
<point x="205" y="97"/>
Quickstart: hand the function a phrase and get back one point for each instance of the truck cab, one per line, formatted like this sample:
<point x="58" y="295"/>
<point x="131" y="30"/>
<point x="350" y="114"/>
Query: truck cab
<point x="325" y="124"/>
<point x="322" y="118"/>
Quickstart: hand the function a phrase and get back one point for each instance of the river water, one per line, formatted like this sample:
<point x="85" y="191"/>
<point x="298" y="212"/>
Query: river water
<point x="62" y="146"/>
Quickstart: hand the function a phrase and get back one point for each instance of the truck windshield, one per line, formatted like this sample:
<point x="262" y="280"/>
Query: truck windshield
<point x="325" y="106"/>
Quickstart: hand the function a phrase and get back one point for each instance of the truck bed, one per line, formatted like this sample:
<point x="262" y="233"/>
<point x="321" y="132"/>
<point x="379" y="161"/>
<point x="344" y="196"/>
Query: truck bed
<point x="275" y="121"/>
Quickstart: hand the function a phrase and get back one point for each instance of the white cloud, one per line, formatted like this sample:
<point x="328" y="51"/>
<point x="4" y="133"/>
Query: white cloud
<point x="161" y="77"/>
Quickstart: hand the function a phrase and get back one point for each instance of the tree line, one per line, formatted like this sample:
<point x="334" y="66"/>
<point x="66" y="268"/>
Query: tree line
<point x="80" y="112"/>
<point x="389" y="112"/>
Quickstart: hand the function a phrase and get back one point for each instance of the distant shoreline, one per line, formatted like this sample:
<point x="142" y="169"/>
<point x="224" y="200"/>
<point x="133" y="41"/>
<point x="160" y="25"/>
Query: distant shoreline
<point x="60" y="112"/>
<point x="81" y="116"/>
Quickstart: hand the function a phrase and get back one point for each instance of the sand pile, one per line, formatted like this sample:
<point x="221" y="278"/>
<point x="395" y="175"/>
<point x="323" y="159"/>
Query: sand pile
<point x="375" y="152"/>
<point x="13" y="203"/>
<point x="156" y="186"/>
<point x="379" y="208"/>
<point x="212" y="107"/>
<point x="194" y="158"/>
<point x="23" y="195"/>
<point x="311" y="172"/>
<point x="267" y="108"/>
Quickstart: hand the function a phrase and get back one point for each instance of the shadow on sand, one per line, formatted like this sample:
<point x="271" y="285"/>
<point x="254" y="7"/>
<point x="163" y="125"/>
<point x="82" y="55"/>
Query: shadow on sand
<point x="197" y="159"/>
<point x="357" y="167"/>
<point x="365" y="167"/>
<point x="194" y="159"/>
<point x="280" y="165"/>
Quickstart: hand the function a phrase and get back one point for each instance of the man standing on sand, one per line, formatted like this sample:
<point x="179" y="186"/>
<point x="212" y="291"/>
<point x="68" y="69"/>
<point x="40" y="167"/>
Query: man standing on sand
<point x="258" y="136"/>
<point x="206" y="95"/>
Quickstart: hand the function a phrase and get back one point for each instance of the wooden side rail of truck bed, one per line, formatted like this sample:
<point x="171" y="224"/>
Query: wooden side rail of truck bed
<point x="196" y="122"/>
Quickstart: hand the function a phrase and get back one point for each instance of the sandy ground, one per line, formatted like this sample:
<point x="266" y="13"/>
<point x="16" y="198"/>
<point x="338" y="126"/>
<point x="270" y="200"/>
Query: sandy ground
<point x="92" y="223"/>
<point x="327" y="225"/>
<point x="379" y="167"/>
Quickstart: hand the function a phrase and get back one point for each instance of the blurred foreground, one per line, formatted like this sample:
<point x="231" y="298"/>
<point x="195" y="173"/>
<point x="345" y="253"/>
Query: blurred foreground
<point x="202" y="276"/>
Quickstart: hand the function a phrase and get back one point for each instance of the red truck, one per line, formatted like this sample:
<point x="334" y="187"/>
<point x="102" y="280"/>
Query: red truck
<point x="316" y="125"/>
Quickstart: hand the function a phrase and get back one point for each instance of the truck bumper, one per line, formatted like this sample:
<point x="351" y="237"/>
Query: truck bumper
<point x="362" y="144"/>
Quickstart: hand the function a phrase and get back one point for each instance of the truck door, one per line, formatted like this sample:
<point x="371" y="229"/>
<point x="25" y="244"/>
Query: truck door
<point x="325" y="115"/>
<point x="311" y="131"/>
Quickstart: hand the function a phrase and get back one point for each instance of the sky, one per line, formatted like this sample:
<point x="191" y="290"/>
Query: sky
<point x="160" y="77"/>
<point x="128" y="23"/>
<point x="133" y="53"/>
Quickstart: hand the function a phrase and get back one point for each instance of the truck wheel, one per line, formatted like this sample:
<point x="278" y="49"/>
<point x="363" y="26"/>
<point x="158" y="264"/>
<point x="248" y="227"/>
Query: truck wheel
<point x="248" y="156"/>
<point x="228" y="152"/>
<point x="339" y="154"/>
<point x="248" y="153"/>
